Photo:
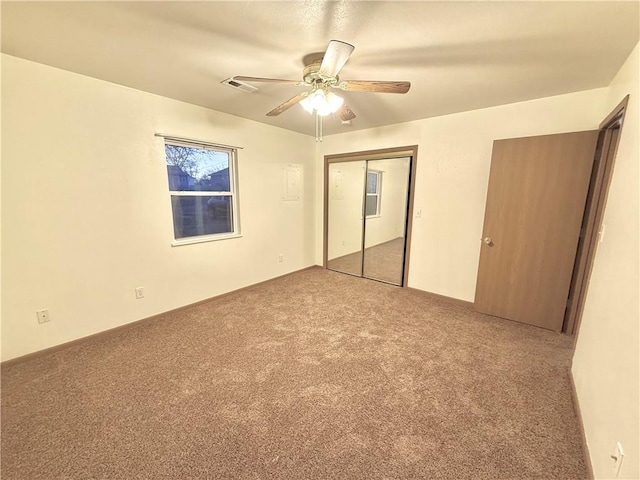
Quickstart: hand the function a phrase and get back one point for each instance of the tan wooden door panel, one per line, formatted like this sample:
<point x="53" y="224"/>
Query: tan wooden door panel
<point x="535" y="203"/>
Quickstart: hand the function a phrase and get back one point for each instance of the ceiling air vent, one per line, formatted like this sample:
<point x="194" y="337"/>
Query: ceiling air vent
<point x="245" y="87"/>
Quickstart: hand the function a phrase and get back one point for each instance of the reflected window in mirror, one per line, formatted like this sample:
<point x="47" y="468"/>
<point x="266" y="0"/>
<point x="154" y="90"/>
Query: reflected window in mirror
<point x="374" y="184"/>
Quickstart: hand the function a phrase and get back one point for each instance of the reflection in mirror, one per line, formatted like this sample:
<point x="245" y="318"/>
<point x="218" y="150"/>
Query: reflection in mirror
<point x="386" y="210"/>
<point x="344" y="241"/>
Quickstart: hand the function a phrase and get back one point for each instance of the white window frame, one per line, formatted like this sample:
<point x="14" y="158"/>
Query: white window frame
<point x="377" y="194"/>
<point x="233" y="193"/>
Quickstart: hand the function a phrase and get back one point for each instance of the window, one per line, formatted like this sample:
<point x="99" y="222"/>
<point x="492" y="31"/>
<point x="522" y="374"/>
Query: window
<point x="203" y="191"/>
<point x="372" y="204"/>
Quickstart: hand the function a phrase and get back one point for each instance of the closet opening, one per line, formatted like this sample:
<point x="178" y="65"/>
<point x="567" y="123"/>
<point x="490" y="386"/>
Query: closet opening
<point x="368" y="205"/>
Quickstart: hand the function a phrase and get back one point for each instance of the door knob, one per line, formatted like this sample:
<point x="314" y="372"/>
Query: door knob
<point x="488" y="241"/>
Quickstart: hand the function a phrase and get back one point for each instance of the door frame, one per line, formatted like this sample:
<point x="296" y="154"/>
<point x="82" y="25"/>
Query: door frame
<point x="593" y="216"/>
<point x="380" y="154"/>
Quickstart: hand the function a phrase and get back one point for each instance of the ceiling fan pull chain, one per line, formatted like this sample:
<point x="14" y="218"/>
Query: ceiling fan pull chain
<point x="318" y="127"/>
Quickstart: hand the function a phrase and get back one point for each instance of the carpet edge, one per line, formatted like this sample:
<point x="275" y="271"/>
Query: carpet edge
<point x="583" y="435"/>
<point x="137" y="323"/>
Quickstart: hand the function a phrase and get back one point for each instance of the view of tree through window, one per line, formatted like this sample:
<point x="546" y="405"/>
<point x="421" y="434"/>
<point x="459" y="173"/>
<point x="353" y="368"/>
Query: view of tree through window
<point x="202" y="190"/>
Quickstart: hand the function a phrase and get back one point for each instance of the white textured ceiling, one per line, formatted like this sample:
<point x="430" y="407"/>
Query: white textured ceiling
<point x="457" y="55"/>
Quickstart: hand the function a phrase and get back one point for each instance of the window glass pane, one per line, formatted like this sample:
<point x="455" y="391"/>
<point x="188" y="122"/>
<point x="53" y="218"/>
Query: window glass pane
<point x="197" y="169"/>
<point x="371" y="207"/>
<point x="201" y="215"/>
<point x="372" y="182"/>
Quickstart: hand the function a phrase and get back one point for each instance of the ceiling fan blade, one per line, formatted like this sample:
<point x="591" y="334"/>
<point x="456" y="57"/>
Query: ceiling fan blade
<point x="267" y="80"/>
<point x="374" y="86"/>
<point x="345" y="113"/>
<point x="335" y="57"/>
<point x="287" y="105"/>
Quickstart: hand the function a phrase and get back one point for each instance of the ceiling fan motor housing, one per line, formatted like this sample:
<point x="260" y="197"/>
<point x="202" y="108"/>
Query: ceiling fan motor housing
<point x="311" y="75"/>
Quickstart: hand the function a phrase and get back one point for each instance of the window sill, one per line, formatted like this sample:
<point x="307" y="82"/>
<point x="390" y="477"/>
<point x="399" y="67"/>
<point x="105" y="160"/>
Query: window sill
<point x="203" y="239"/>
<point x="374" y="216"/>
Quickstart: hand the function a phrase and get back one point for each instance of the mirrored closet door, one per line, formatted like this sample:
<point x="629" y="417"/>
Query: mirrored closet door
<point x="346" y="200"/>
<point x="385" y="219"/>
<point x="366" y="225"/>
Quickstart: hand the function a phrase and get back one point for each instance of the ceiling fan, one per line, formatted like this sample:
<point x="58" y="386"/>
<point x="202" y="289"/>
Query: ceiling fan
<point x="321" y="74"/>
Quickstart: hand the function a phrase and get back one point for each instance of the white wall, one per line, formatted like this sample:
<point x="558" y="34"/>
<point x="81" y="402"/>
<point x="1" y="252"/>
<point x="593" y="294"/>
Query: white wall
<point x="0" y="205"/>
<point x="86" y="211"/>
<point x="606" y="360"/>
<point x="454" y="155"/>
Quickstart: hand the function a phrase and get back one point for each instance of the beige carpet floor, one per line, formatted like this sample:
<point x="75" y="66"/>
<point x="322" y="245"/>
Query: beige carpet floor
<point x="317" y="375"/>
<point x="382" y="262"/>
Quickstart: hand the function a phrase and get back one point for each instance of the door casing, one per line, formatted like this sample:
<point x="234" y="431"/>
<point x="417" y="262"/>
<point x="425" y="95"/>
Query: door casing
<point x="610" y="130"/>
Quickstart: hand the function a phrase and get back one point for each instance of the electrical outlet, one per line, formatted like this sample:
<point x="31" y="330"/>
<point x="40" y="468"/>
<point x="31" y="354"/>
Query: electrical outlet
<point x="43" y="316"/>
<point x="139" y="292"/>
<point x="617" y="459"/>
<point x="280" y="258"/>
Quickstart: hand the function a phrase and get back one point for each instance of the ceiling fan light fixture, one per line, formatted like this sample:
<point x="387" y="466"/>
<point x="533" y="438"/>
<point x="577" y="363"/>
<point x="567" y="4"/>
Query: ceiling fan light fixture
<point x="334" y="102"/>
<point x="306" y="104"/>
<point x="322" y="103"/>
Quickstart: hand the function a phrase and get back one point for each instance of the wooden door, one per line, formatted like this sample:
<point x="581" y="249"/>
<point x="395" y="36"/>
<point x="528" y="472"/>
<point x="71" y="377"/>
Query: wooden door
<point x="535" y="204"/>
